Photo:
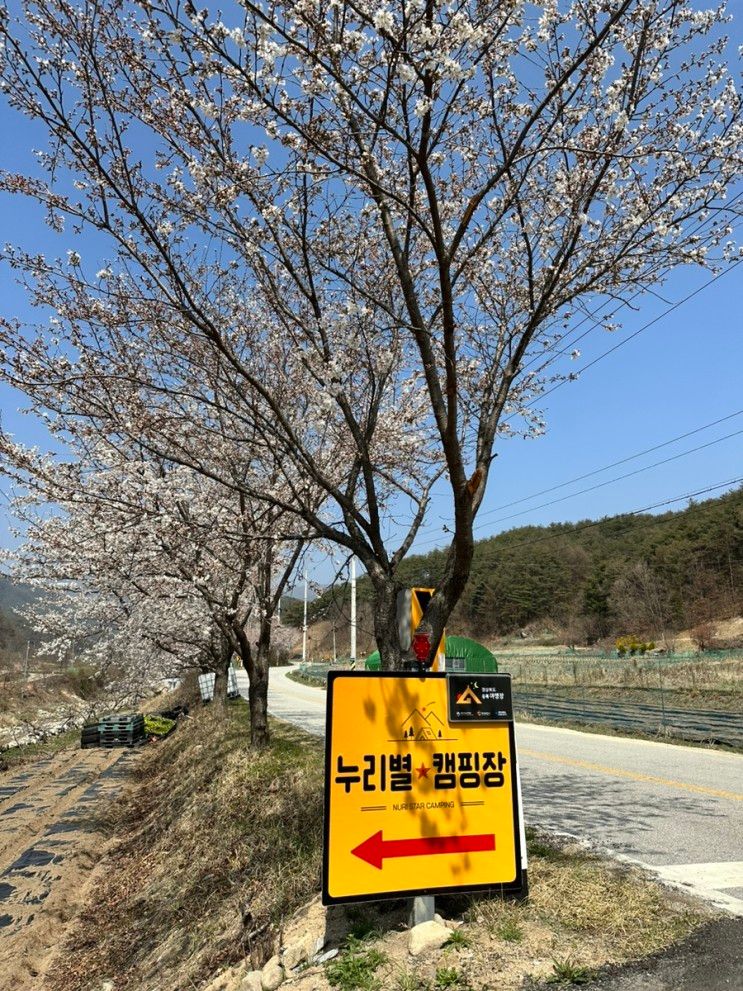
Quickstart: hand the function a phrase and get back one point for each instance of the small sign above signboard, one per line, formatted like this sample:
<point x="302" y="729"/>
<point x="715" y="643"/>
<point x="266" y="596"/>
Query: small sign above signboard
<point x="479" y="698"/>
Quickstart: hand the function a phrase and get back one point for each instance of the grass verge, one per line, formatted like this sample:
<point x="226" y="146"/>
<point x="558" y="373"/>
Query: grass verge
<point x="216" y="848"/>
<point x="583" y="913"/>
<point x="305" y="678"/>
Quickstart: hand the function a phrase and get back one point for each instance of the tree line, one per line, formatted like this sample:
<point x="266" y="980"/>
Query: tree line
<point x="626" y="574"/>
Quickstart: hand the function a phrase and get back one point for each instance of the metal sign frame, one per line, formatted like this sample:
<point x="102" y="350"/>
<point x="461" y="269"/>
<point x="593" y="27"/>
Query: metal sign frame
<point x="518" y="886"/>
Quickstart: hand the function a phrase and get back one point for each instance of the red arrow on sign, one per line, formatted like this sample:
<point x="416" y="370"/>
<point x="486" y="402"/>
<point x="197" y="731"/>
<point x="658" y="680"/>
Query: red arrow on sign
<point x="376" y="849"/>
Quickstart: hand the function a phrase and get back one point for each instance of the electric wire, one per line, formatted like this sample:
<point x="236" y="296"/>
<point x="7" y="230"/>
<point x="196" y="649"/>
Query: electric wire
<point x="580" y="527"/>
<point x="650" y="522"/>
<point x="614" y="464"/>
<point x="567" y="344"/>
<point x="596" y="315"/>
<point x="620" y="344"/>
<point x="610" y="481"/>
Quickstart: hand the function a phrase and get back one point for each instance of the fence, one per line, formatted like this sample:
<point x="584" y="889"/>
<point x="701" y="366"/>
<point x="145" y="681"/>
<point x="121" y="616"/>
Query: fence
<point x="718" y="671"/>
<point x="689" y="696"/>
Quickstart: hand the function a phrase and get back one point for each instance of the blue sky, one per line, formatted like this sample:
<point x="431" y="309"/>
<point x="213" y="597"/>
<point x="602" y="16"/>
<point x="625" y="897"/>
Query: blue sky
<point x="677" y="375"/>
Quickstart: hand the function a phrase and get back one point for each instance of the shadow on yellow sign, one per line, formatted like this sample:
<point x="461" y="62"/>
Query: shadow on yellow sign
<point x="413" y="803"/>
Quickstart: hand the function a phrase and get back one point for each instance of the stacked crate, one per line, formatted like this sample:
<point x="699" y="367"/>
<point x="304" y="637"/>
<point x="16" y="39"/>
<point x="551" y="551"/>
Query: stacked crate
<point x="90" y="736"/>
<point x="122" y="730"/>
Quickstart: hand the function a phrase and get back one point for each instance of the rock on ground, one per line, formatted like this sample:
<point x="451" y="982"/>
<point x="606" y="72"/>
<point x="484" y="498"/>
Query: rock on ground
<point x="427" y="936"/>
<point x="272" y="974"/>
<point x="251" y="982"/>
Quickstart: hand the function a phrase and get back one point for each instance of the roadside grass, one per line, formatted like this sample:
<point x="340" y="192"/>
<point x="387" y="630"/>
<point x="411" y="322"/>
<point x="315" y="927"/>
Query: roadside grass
<point x="215" y="846"/>
<point x="459" y="940"/>
<point x="609" y="904"/>
<point x="567" y="971"/>
<point x="582" y="913"/>
<point x="449" y="977"/>
<point x="217" y="850"/>
<point x="307" y="678"/>
<point x="357" y="967"/>
<point x="688" y="677"/>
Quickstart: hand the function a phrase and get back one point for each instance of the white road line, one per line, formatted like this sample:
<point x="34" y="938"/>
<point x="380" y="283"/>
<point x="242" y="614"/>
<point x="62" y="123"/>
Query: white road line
<point x="716" y="875"/>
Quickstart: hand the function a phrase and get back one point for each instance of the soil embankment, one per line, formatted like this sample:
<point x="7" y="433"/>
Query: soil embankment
<point x="52" y="820"/>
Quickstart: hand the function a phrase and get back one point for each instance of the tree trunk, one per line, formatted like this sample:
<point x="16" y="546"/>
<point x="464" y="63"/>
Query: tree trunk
<point x="385" y="623"/>
<point x="258" y="694"/>
<point x="221" y="679"/>
<point x="456" y="573"/>
<point x="256" y="664"/>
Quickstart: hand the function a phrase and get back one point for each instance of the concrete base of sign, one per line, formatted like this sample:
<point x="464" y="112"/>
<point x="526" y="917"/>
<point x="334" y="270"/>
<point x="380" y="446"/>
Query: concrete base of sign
<point x="422" y="910"/>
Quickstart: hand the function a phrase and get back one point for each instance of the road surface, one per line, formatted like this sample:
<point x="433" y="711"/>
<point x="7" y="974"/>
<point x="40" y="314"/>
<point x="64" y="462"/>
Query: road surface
<point x="675" y="810"/>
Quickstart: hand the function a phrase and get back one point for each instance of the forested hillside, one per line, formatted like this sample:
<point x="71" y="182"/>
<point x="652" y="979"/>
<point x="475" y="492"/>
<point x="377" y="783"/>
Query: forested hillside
<point x="14" y="632"/>
<point x="597" y="578"/>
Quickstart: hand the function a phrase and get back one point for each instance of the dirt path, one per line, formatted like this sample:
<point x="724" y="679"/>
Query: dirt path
<point x="51" y="817"/>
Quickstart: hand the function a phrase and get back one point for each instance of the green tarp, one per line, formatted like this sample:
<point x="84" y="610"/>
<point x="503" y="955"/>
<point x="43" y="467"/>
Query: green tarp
<point x="458" y="649"/>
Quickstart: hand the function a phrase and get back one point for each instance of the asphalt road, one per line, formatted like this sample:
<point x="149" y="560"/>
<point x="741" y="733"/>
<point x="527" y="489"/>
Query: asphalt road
<point x="676" y="810"/>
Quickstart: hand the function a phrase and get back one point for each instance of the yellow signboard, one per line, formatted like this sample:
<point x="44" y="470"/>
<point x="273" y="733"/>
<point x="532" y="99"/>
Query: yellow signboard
<point x="420" y="788"/>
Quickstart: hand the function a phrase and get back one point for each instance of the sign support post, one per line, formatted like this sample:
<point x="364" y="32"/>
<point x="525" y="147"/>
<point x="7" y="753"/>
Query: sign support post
<point x="423" y="909"/>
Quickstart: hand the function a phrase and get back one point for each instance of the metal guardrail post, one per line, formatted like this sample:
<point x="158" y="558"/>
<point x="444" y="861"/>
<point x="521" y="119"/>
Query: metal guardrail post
<point x="662" y="693"/>
<point x="422" y="909"/>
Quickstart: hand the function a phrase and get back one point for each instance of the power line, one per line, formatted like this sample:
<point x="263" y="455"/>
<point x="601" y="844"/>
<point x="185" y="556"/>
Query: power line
<point x="633" y="335"/>
<point x="656" y="521"/>
<point x="579" y="528"/>
<point x="636" y="333"/>
<point x="614" y="464"/>
<point x="567" y="343"/>
<point x="616" y="478"/>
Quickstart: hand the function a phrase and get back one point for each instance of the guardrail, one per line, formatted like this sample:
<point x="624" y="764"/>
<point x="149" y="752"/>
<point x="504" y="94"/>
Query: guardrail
<point x="657" y="675"/>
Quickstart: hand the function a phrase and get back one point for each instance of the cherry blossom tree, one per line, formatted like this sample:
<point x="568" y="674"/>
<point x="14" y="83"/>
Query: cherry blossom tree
<point x="372" y="222"/>
<point x="152" y="569"/>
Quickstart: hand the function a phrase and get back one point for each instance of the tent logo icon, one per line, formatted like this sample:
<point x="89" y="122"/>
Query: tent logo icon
<point x="468" y="697"/>
<point x="424" y="725"/>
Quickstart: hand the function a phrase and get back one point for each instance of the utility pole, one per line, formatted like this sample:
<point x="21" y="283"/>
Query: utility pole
<point x="25" y="671"/>
<point x="353" y="613"/>
<point x="335" y="652"/>
<point x="304" y="622"/>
